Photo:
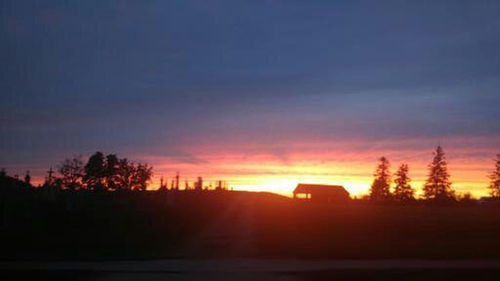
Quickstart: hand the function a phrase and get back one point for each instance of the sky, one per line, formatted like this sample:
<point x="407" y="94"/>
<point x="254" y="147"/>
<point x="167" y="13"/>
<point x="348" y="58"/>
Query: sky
<point x="261" y="94"/>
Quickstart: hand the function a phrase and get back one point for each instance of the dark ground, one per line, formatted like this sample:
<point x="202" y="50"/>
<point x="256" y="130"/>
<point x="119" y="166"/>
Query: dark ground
<point x="229" y="226"/>
<point x="263" y="270"/>
<point x="339" y="275"/>
<point x="155" y="225"/>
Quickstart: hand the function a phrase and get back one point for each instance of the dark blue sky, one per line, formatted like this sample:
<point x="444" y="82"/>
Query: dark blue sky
<point x="158" y="77"/>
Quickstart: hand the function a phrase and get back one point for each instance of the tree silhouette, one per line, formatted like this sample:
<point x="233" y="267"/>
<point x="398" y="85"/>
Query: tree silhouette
<point x="71" y="170"/>
<point x="142" y="174"/>
<point x="380" y="189"/>
<point x="95" y="172"/>
<point x="112" y="167"/>
<point x="125" y="174"/>
<point x="27" y="178"/>
<point x="57" y="184"/>
<point x="49" y="179"/>
<point x="495" y="179"/>
<point x="403" y="190"/>
<point x="438" y="185"/>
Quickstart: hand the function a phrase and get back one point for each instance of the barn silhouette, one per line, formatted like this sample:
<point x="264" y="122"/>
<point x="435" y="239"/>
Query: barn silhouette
<point x="321" y="193"/>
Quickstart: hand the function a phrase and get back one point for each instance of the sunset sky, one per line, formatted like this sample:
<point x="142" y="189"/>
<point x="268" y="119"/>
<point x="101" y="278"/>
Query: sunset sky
<point x="262" y="94"/>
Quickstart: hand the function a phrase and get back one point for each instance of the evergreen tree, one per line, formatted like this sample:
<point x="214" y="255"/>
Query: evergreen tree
<point x="403" y="190"/>
<point x="495" y="179"/>
<point x="438" y="185"/>
<point x="380" y="189"/>
<point x="27" y="178"/>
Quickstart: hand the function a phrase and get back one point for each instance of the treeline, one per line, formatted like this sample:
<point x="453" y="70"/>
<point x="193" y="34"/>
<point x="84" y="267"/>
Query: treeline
<point x="437" y="187"/>
<point x="101" y="172"/>
<point x="110" y="173"/>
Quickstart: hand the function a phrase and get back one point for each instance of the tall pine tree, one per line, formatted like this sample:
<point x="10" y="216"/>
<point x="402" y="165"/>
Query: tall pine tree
<point x="380" y="189"/>
<point x="495" y="179"/>
<point x="403" y="190"/>
<point x="438" y="185"/>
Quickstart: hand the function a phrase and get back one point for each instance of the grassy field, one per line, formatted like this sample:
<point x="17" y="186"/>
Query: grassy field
<point x="363" y="231"/>
<point x="149" y="225"/>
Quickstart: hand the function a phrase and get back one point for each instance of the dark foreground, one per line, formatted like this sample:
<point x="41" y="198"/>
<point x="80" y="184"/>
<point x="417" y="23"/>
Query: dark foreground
<point x="240" y="236"/>
<point x="246" y="269"/>
<point x="232" y="225"/>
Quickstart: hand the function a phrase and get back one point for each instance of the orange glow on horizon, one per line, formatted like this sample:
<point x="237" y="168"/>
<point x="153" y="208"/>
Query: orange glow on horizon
<point x="353" y="171"/>
<point x="463" y="180"/>
<point x="279" y="168"/>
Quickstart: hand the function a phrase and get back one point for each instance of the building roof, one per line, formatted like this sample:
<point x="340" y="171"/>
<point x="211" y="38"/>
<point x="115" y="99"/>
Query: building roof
<point x="321" y="188"/>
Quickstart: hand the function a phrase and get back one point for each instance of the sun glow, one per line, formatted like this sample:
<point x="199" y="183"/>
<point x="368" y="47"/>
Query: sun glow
<point x="263" y="168"/>
<point x="285" y="185"/>
<point x="350" y="164"/>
